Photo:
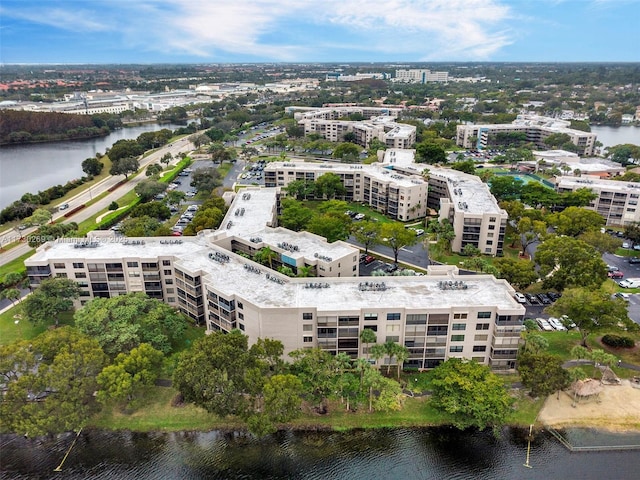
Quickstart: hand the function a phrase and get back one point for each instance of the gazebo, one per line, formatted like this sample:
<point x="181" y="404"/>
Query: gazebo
<point x="586" y="389"/>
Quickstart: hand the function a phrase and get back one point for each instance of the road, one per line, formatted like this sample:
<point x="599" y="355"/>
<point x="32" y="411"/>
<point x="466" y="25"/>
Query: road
<point x="9" y="236"/>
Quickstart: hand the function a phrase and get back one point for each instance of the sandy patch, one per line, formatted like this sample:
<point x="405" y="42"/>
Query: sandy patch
<point x="617" y="408"/>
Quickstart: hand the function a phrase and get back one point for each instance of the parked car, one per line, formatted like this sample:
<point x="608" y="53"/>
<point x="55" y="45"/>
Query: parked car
<point x="544" y="324"/>
<point x="369" y="259"/>
<point x="617" y="274"/>
<point x="556" y="323"/>
<point x="419" y="232"/>
<point x="626" y="245"/>
<point x="633" y="260"/>
<point x="520" y="298"/>
<point x="544" y="299"/>
<point x="532" y="299"/>
<point x="612" y="268"/>
<point x="359" y="216"/>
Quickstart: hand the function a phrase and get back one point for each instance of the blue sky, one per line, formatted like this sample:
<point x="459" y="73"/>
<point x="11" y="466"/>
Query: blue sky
<point x="209" y="31"/>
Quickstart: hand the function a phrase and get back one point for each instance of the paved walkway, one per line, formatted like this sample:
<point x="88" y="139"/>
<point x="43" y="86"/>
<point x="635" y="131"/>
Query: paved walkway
<point x="575" y="363"/>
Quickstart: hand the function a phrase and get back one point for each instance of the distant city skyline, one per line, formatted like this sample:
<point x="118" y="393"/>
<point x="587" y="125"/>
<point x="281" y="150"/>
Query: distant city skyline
<point x="223" y="31"/>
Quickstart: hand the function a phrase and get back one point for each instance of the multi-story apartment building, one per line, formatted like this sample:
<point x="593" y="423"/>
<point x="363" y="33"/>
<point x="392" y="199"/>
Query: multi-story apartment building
<point x="332" y="124"/>
<point x="436" y="317"/>
<point x="617" y="201"/>
<point x="535" y="128"/>
<point x="420" y="76"/>
<point x="402" y="197"/>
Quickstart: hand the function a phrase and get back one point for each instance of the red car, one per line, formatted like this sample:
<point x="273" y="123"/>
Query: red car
<point x="617" y="274"/>
<point x="369" y="259"/>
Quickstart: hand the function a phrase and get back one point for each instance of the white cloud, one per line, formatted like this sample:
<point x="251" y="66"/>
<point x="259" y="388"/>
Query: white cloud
<point x="424" y="29"/>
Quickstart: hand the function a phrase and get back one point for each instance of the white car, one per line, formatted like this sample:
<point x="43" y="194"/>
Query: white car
<point x="520" y="298"/>
<point x="64" y="206"/>
<point x="544" y="324"/>
<point x="556" y="323"/>
<point x="359" y="216"/>
<point x="419" y="232"/>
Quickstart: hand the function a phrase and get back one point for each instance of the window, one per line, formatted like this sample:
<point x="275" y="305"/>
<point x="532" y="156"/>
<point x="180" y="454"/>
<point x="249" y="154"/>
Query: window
<point x="489" y="242"/>
<point x="240" y="306"/>
<point x="241" y="326"/>
<point x="417" y="319"/>
<point x="480" y="338"/>
<point x="484" y="315"/>
<point x="132" y="264"/>
<point x="459" y="326"/>
<point x="455" y="348"/>
<point x="457" y="338"/>
<point x="460" y="316"/>
<point x="371" y="316"/>
<point x="167" y="272"/>
<point x="171" y="299"/>
<point x="393" y="316"/>
<point x="61" y="275"/>
<point x="240" y="316"/>
<point x="134" y="274"/>
<point x="306" y="339"/>
<point x="482" y="326"/>
<point x="58" y="265"/>
<point x="392" y="338"/>
<point x="168" y="281"/>
<point x="479" y="348"/>
<point x="166" y="263"/>
<point x="170" y="290"/>
<point x="78" y="265"/>
<point x="492" y="219"/>
<point x="307" y="316"/>
<point x="81" y="275"/>
<point x="305" y="328"/>
<point x="492" y="227"/>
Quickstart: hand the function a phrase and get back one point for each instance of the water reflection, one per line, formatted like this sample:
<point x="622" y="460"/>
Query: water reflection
<point x="432" y="453"/>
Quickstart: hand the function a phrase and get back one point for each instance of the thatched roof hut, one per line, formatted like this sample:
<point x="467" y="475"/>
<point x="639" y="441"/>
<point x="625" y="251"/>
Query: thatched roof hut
<point x="586" y="388"/>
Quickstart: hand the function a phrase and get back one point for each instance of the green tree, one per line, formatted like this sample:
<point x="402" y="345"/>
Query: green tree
<point x="573" y="221"/>
<point x="148" y="189"/>
<point x="213" y="374"/>
<point x="580" y="197"/>
<point x="166" y="158"/>
<point x="11" y="294"/>
<point x="590" y="310"/>
<point x="266" y="256"/>
<point x="632" y="232"/>
<point x="92" y="166"/>
<point x="602" y="242"/>
<point x="153" y="170"/>
<point x="466" y="166"/>
<point x="444" y="232"/>
<point x="316" y="370"/>
<point x="520" y="273"/>
<point x="206" y="179"/>
<point x="566" y="261"/>
<point x="367" y="336"/>
<point x="152" y="209"/>
<point x="395" y="236"/>
<point x="556" y="140"/>
<point x="431" y="153"/>
<point x="542" y="373"/>
<point x="282" y="398"/>
<point x="506" y="187"/>
<point x="49" y="382"/>
<point x="175" y="197"/>
<point x="470" y="394"/>
<point x="347" y="150"/>
<point x="331" y="227"/>
<point x="144" y="226"/>
<point x="329" y="186"/>
<point x="122" y="323"/>
<point x="535" y="194"/>
<point x="124" y="166"/>
<point x="123" y="149"/>
<point x="41" y="216"/>
<point x="530" y="231"/>
<point x="367" y="233"/>
<point x="294" y="215"/>
<point x="50" y="299"/>
<point x="129" y="375"/>
<point x="300" y="189"/>
<point x="113" y="206"/>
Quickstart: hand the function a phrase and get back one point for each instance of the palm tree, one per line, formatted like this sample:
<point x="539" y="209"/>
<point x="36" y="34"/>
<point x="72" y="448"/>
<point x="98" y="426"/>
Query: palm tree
<point x="265" y="256"/>
<point x="367" y="336"/>
<point x="402" y="354"/>
<point x="377" y="352"/>
<point x="305" y="271"/>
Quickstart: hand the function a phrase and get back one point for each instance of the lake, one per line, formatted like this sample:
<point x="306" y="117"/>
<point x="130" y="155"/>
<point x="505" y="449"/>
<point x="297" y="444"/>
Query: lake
<point x="425" y="453"/>
<point x="610" y="136"/>
<point x="38" y="166"/>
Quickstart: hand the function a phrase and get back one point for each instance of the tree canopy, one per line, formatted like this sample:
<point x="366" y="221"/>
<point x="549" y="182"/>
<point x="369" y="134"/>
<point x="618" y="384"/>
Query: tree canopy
<point x="470" y="394"/>
<point x="122" y="323"/>
<point x="50" y="381"/>
<point x="50" y="299"/>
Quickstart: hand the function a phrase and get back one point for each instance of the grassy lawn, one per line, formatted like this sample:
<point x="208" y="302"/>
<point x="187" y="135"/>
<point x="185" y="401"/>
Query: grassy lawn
<point x="16" y="265"/>
<point x="24" y="330"/>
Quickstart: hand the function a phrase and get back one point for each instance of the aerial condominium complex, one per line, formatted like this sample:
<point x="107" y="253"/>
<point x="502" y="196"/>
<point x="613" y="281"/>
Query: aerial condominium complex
<point x="617" y="201"/>
<point x="397" y="188"/>
<point x="436" y="316"/>
<point x="332" y="123"/>
<point x="420" y="76"/>
<point x="525" y="128"/>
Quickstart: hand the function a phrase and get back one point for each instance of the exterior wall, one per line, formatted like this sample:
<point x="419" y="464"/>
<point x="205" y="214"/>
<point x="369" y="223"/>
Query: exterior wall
<point x="385" y="195"/>
<point x="536" y="130"/>
<point x="617" y="201"/>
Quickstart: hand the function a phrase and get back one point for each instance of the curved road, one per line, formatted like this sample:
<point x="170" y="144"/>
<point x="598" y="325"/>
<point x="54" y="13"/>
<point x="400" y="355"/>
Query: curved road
<point x="9" y="236"/>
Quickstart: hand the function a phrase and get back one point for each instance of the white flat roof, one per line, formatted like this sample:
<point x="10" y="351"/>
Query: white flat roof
<point x="612" y="185"/>
<point x="469" y="194"/>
